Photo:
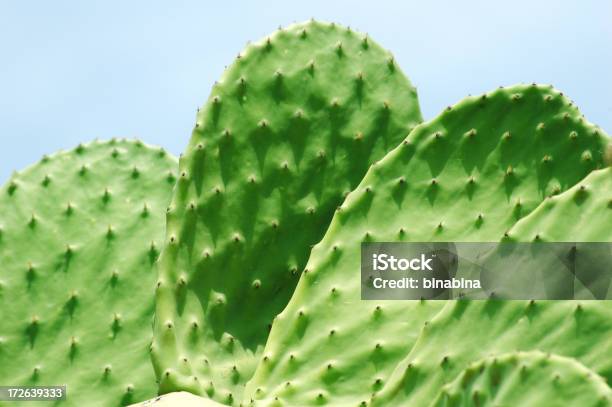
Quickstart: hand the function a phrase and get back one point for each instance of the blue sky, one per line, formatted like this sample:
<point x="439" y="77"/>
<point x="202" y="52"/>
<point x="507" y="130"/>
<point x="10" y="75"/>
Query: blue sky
<point x="72" y="71"/>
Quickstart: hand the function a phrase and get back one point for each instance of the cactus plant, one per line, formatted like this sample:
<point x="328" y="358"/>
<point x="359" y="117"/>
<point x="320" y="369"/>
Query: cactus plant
<point x="586" y="275"/>
<point x="469" y="174"/>
<point x="291" y="127"/>
<point x="79" y="232"/>
<point x="448" y="345"/>
<point x="570" y="328"/>
<point x="525" y="379"/>
<point x="590" y="199"/>
<point x="588" y="204"/>
<point x="287" y="133"/>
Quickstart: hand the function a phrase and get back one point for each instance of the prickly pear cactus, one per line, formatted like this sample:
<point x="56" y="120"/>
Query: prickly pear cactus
<point x="79" y="232"/>
<point x="589" y="206"/>
<point x="525" y="379"/>
<point x="448" y="345"/>
<point x="590" y="199"/>
<point x="290" y="128"/>
<point x="570" y="328"/>
<point x="469" y="174"/>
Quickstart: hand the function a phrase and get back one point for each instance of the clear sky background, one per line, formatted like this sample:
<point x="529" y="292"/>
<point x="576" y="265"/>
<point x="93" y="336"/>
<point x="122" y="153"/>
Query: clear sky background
<point x="71" y="71"/>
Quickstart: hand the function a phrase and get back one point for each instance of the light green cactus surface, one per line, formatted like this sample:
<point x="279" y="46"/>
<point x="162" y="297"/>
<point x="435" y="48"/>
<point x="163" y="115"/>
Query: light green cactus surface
<point x="580" y="330"/>
<point x="288" y="131"/>
<point x="582" y="214"/>
<point x="448" y="344"/>
<point x="525" y="379"/>
<point x="467" y="175"/>
<point x="79" y="233"/>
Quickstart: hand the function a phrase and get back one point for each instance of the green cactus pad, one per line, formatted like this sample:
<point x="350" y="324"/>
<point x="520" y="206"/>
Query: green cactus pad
<point x="448" y="344"/>
<point x="467" y="175"/>
<point x="531" y="379"/>
<point x="79" y="233"/>
<point x="582" y="214"/>
<point x="291" y="127"/>
<point x="569" y="328"/>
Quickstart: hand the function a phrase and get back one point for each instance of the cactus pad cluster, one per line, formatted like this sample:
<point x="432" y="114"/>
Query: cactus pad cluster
<point x="243" y="258"/>
<point x="468" y="175"/>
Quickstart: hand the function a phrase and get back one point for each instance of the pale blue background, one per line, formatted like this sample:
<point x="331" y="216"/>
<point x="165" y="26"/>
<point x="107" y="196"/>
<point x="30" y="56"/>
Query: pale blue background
<point x="71" y="71"/>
